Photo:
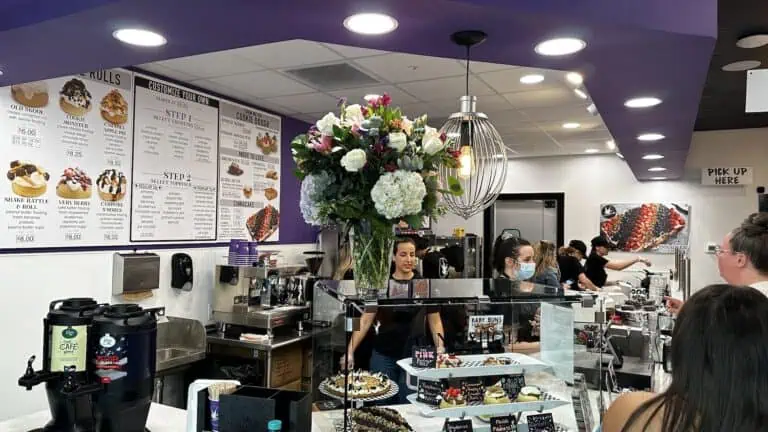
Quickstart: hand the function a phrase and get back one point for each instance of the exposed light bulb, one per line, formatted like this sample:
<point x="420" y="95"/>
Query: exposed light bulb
<point x="466" y="162"/>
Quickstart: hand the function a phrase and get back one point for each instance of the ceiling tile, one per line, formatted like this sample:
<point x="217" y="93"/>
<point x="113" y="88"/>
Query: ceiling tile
<point x="480" y="67"/>
<point x="556" y="126"/>
<point x="527" y="138"/>
<point x="271" y="106"/>
<point x="569" y="136"/>
<point x="306" y="103"/>
<point x="399" y="68"/>
<point x="351" y="52"/>
<point x="309" y="118"/>
<point x="264" y="84"/>
<point x="540" y="98"/>
<point x="576" y="112"/>
<point x="288" y="54"/>
<point x="534" y="149"/>
<point x="508" y="80"/>
<point x="437" y="89"/>
<point x="212" y="64"/>
<point x="416" y="109"/>
<point x="399" y="97"/>
<point x="216" y="88"/>
<point x="167" y="72"/>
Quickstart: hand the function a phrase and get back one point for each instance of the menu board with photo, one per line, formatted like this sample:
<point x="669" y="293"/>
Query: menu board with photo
<point x="249" y="174"/>
<point x="175" y="157"/>
<point x="66" y="146"/>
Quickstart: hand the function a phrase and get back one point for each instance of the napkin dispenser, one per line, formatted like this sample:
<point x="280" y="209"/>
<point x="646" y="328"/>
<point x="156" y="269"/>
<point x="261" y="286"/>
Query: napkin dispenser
<point x="135" y="272"/>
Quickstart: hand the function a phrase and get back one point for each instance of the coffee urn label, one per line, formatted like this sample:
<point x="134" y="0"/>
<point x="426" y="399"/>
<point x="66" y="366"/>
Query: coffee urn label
<point x="68" y="348"/>
<point x="111" y="357"/>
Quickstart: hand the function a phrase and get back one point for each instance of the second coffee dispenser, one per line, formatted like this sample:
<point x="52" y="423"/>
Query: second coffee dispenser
<point x="98" y="365"/>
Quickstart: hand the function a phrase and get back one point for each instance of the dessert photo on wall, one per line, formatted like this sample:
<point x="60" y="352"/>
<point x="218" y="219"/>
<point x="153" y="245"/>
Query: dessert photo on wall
<point x="646" y="227"/>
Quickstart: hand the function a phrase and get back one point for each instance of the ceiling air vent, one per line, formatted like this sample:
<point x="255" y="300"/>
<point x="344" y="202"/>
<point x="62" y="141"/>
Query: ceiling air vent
<point x="333" y="76"/>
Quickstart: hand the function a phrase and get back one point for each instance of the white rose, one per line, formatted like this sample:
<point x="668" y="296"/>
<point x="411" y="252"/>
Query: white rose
<point x="325" y="125"/>
<point x="354" y="160"/>
<point x="431" y="142"/>
<point x="398" y="141"/>
<point x="353" y="115"/>
<point x="407" y="125"/>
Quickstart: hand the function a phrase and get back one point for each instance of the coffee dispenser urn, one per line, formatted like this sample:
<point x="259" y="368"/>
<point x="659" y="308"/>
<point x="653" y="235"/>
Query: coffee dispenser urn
<point x="66" y="370"/>
<point x="124" y="353"/>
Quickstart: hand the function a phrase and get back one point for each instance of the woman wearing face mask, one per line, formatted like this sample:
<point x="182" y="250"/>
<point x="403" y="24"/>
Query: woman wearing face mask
<point x="398" y="329"/>
<point x="597" y="263"/>
<point x="514" y="260"/>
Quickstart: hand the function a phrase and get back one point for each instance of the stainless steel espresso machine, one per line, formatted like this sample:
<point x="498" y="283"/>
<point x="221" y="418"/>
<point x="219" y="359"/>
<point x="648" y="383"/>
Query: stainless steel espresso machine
<point x="263" y="332"/>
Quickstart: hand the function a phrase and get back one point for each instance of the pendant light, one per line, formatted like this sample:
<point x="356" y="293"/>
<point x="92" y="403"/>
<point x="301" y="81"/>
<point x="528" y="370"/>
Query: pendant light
<point x="483" y="156"/>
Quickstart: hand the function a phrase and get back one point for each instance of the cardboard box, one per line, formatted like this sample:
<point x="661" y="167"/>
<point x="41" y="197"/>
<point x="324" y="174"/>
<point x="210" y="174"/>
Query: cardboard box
<point x="286" y="365"/>
<point x="295" y="386"/>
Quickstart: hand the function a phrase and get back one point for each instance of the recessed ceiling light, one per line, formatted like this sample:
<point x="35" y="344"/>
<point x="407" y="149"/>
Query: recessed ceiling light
<point x="370" y="23"/>
<point x="139" y="37"/>
<point x="532" y="79"/>
<point x="642" y="102"/>
<point x="621" y="156"/>
<point x="591" y="150"/>
<point x="740" y="66"/>
<point x="753" y="41"/>
<point x="1" y="72"/>
<point x="610" y="144"/>
<point x="572" y="125"/>
<point x="574" y="78"/>
<point x="650" y="137"/>
<point x="370" y="97"/>
<point x="653" y="156"/>
<point x="658" y="178"/>
<point x="580" y="93"/>
<point x="656" y="169"/>
<point x="560" y="46"/>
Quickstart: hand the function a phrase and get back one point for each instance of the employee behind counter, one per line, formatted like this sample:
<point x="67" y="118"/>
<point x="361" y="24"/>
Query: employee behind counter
<point x="398" y="329"/>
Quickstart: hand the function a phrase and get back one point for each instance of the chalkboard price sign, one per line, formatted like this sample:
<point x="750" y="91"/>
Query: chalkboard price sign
<point x="504" y="424"/>
<point x="474" y="392"/>
<point x="429" y="392"/>
<point x="512" y="384"/>
<point x="424" y="357"/>
<point x="458" y="426"/>
<point x="541" y="423"/>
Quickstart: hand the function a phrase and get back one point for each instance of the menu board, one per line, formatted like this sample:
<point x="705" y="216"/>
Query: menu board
<point x="66" y="146"/>
<point x="249" y="174"/>
<point x="175" y="158"/>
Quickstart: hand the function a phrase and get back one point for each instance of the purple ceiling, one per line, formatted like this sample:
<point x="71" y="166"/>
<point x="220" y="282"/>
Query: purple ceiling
<point x="649" y="47"/>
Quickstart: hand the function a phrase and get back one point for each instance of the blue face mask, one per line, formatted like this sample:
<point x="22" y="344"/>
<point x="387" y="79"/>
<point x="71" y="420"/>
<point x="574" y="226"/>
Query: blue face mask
<point x="526" y="271"/>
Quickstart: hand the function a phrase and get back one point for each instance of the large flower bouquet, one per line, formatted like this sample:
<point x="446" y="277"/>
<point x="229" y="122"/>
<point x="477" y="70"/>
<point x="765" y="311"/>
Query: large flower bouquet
<point x="368" y="169"/>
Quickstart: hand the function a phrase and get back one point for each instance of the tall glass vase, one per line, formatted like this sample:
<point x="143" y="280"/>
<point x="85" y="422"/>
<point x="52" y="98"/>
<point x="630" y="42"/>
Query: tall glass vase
<point x="372" y="254"/>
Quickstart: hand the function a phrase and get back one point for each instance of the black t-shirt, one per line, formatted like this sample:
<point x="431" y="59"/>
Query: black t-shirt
<point x="401" y="328"/>
<point x="595" y="270"/>
<point x="570" y="269"/>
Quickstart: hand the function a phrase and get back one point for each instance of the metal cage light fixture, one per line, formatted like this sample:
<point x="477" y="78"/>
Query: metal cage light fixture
<point x="483" y="157"/>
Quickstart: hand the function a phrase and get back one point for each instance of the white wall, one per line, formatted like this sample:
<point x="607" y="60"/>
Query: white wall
<point x="30" y="282"/>
<point x="589" y="181"/>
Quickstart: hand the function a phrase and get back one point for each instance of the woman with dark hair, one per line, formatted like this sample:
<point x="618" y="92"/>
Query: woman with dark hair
<point x="513" y="260"/>
<point x="719" y="374"/>
<point x="399" y="329"/>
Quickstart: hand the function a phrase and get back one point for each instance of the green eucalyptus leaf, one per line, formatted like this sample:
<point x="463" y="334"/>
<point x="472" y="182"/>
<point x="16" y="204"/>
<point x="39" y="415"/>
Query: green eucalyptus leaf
<point x="414" y="221"/>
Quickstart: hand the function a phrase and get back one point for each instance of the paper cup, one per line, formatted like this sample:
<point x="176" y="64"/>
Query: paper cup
<point x="214" y="404"/>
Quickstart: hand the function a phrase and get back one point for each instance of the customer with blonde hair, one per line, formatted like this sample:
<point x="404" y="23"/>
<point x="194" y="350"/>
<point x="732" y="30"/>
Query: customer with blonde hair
<point x="547" y="271"/>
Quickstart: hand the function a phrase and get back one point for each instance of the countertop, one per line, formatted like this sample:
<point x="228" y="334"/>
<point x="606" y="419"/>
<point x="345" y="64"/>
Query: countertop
<point x="161" y="419"/>
<point x="277" y="341"/>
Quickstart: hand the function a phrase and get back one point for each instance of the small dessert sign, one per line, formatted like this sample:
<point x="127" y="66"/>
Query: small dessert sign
<point x="512" y="384"/>
<point x="424" y="357"/>
<point x="474" y="392"/>
<point x="504" y="424"/>
<point x="541" y="423"/>
<point x="458" y="426"/>
<point x="429" y="392"/>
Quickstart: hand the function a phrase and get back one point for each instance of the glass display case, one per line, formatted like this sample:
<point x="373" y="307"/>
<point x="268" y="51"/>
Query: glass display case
<point x="446" y="354"/>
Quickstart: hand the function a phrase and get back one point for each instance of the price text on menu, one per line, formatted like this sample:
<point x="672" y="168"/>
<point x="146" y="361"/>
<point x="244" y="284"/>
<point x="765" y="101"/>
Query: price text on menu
<point x="174" y="169"/>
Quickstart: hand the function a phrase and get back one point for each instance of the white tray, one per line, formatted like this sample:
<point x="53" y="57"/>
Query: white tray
<point x="472" y="366"/>
<point x="473" y="410"/>
<point x="391" y="393"/>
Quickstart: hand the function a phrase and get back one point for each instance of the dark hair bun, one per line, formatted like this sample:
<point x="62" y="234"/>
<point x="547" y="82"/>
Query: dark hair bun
<point x="755" y="225"/>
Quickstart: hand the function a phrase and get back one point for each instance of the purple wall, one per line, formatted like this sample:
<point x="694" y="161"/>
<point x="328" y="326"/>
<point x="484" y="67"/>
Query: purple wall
<point x="292" y="226"/>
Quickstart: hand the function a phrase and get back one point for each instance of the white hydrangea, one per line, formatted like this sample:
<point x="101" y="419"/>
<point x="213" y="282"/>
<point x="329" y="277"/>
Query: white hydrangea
<point x="313" y="190"/>
<point x="398" y="194"/>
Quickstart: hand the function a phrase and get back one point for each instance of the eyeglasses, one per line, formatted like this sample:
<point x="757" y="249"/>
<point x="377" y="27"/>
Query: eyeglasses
<point x="722" y="251"/>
